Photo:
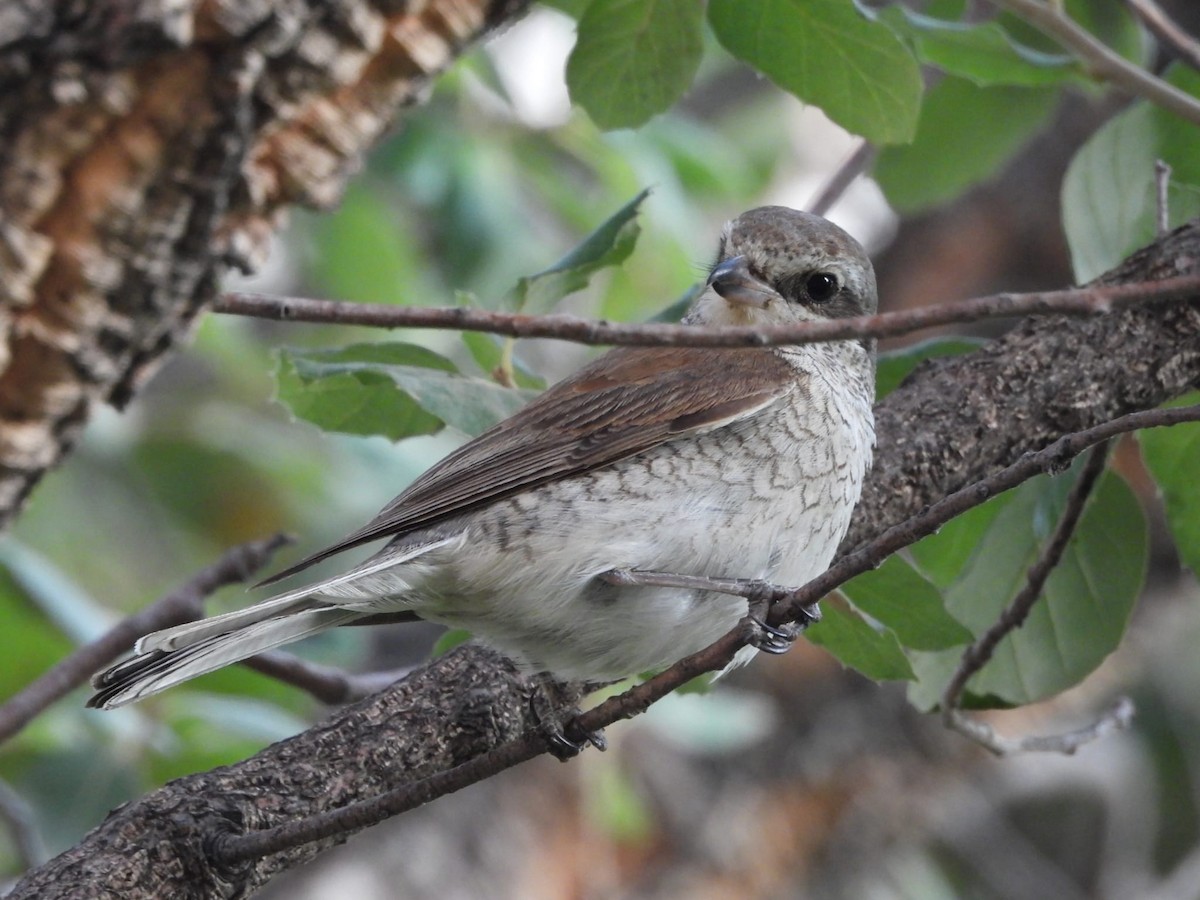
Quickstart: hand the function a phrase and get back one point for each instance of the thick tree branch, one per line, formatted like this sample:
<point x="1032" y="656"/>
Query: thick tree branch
<point x="787" y="602"/>
<point x="147" y="146"/>
<point x="954" y="421"/>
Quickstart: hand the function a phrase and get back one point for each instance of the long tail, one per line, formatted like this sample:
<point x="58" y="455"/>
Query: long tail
<point x="165" y="658"/>
<point x="154" y="669"/>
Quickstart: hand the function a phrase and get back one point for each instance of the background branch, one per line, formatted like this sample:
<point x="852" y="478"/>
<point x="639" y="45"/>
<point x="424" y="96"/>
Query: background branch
<point x="976" y="656"/>
<point x="182" y="605"/>
<point x="1175" y="40"/>
<point x="1101" y="61"/>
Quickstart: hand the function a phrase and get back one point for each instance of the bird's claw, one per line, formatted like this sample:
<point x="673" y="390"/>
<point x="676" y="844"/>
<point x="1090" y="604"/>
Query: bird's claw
<point x="563" y="747"/>
<point x="770" y="639"/>
<point x="556" y="721"/>
<point x="777" y="639"/>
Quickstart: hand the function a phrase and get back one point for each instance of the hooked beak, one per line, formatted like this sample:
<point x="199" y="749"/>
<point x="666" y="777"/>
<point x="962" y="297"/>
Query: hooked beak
<point x="733" y="281"/>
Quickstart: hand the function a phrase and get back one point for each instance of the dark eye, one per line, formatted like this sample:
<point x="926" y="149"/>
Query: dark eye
<point x="821" y="286"/>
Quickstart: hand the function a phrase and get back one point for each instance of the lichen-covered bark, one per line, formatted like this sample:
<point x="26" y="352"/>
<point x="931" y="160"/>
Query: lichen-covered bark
<point x="949" y="424"/>
<point x="959" y="419"/>
<point x="468" y="701"/>
<point x="146" y="145"/>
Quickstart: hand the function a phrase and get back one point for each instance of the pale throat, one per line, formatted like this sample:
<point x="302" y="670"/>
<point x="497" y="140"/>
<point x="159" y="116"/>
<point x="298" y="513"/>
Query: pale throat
<point x="713" y="309"/>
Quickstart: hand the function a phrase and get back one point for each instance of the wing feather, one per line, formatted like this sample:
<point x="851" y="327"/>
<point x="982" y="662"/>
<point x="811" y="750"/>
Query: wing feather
<point x="625" y="402"/>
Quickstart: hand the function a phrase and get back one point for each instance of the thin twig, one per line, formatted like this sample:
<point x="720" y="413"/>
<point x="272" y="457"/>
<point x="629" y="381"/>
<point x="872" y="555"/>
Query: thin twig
<point x="327" y="684"/>
<point x="1174" y="39"/>
<point x="233" y="849"/>
<point x="182" y="605"/>
<point x="1085" y="301"/>
<point x="1117" y="718"/>
<point x="1162" y="181"/>
<point x="22" y="827"/>
<point x="1101" y="61"/>
<point x="976" y="656"/>
<point x="853" y="166"/>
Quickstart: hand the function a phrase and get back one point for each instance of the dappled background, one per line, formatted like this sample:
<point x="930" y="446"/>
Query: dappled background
<point x="794" y="776"/>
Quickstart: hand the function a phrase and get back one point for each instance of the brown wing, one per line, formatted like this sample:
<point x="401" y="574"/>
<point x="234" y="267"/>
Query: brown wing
<point x="627" y="401"/>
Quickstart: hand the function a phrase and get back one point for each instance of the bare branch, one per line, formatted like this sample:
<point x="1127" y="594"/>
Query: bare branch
<point x="327" y="684"/>
<point x="1118" y="718"/>
<point x="182" y="605"/>
<point x="233" y="849"/>
<point x="1102" y="62"/>
<point x="1177" y="42"/>
<point x="854" y="165"/>
<point x="18" y="818"/>
<point x="1086" y="301"/>
<point x="976" y="656"/>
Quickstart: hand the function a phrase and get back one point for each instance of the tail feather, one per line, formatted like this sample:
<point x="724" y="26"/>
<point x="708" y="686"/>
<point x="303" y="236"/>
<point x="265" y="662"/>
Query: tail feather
<point x="167" y="657"/>
<point x="182" y="636"/>
<point x="158" y="669"/>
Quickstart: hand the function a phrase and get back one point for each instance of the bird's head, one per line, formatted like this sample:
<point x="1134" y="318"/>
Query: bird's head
<point x="777" y="266"/>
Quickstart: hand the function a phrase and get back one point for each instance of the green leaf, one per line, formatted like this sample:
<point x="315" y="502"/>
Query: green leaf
<point x="488" y="352"/>
<point x="1109" y="194"/>
<point x="608" y="245"/>
<point x="984" y="54"/>
<point x="1002" y="120"/>
<point x="858" y="644"/>
<point x="634" y="58"/>
<point x="1171" y="455"/>
<point x="895" y="595"/>
<point x="394" y="390"/>
<point x="29" y="642"/>
<point x="828" y="53"/>
<point x="893" y="367"/>
<point x="450" y="639"/>
<point x="1085" y="606"/>
<point x="943" y="556"/>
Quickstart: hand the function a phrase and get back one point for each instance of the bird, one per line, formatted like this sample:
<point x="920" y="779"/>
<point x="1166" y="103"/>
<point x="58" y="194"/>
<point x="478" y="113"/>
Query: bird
<point x="699" y="462"/>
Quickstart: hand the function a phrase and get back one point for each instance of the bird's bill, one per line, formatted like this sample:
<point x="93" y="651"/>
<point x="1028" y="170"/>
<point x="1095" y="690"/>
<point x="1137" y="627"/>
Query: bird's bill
<point x="734" y="282"/>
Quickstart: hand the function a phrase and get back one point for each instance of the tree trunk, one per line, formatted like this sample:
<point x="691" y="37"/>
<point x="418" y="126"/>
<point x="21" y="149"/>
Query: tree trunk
<point x="145" y="146"/>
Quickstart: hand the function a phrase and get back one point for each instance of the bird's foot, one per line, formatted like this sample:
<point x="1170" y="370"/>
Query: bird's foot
<point x="555" y="707"/>
<point x="768" y="638"/>
<point x="774" y="639"/>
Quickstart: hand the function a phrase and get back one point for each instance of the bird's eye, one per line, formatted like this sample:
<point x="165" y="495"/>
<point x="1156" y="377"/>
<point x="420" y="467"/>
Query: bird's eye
<point x="821" y="286"/>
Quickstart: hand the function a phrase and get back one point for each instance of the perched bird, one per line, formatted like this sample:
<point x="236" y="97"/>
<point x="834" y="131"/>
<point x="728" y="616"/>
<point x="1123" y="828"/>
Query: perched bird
<point x="730" y="463"/>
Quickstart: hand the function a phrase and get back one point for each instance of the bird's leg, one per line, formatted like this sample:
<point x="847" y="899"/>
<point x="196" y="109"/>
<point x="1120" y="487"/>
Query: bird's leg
<point x="554" y="706"/>
<point x="771" y="638"/>
<point x="758" y="593"/>
<point x="741" y="587"/>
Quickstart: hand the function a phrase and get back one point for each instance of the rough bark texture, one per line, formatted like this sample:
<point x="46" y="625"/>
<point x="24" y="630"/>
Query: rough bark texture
<point x="949" y="424"/>
<point x="146" y="145"/>
<point x="956" y="420"/>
